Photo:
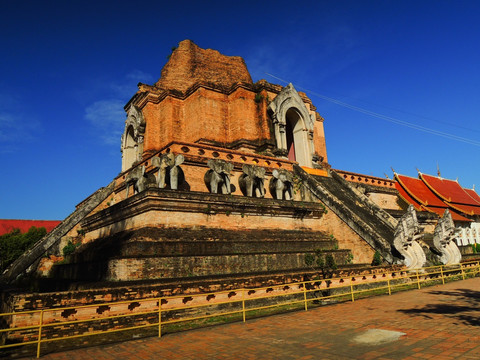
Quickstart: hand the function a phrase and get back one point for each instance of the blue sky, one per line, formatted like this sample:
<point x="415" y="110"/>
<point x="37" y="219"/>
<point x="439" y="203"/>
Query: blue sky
<point x="68" y="67"/>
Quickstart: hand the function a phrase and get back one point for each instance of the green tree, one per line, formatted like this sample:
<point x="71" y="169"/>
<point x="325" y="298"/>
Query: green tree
<point x="377" y="259"/>
<point x="325" y="263"/>
<point x="14" y="244"/>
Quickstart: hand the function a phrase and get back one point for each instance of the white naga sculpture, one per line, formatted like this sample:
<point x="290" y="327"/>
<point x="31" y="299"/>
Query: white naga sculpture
<point x="406" y="235"/>
<point x="443" y="240"/>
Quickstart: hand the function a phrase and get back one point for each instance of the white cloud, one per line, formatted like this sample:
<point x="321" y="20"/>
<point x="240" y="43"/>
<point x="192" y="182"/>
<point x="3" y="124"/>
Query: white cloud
<point x="140" y="76"/>
<point x="291" y="58"/>
<point x="107" y="116"/>
<point x="128" y="86"/>
<point x="15" y="126"/>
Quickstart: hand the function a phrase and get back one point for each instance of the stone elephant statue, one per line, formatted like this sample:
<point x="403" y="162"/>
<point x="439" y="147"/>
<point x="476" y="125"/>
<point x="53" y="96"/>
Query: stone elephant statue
<point x="137" y="178"/>
<point x="217" y="179"/>
<point x="169" y="171"/>
<point x="252" y="181"/>
<point x="281" y="185"/>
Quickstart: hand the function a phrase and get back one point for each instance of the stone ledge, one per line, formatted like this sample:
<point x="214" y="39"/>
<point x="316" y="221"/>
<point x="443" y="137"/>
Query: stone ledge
<point x="198" y="202"/>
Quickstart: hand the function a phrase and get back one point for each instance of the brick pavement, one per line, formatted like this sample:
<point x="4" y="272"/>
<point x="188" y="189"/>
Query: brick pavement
<point x="439" y="322"/>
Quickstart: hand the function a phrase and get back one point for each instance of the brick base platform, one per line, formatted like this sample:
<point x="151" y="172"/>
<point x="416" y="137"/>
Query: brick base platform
<point x="440" y="322"/>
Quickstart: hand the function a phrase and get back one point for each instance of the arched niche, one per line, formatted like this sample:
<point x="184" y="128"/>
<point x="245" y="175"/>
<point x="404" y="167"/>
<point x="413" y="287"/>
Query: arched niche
<point x="130" y="147"/>
<point x="132" y="138"/>
<point x="293" y="126"/>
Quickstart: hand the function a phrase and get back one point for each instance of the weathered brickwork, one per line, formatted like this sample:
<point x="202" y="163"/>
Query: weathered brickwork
<point x="189" y="64"/>
<point x="225" y="184"/>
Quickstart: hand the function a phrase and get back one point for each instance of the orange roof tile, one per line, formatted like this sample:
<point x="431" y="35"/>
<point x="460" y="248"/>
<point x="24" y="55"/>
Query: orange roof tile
<point x="466" y="209"/>
<point x="472" y="194"/>
<point x="455" y="215"/>
<point x="407" y="198"/>
<point x="419" y="191"/>
<point x="448" y="190"/>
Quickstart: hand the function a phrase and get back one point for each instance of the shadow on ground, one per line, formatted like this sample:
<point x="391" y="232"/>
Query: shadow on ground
<point x="460" y="304"/>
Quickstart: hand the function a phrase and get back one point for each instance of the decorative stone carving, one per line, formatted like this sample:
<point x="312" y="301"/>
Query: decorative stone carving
<point x="137" y="178"/>
<point x="289" y="107"/>
<point x="405" y="241"/>
<point x="281" y="185"/>
<point x="443" y="240"/>
<point x="252" y="181"/>
<point x="169" y="171"/>
<point x="217" y="179"/>
<point x="132" y="137"/>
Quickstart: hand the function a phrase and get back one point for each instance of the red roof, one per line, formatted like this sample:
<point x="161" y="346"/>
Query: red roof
<point x="448" y="190"/>
<point x="419" y="191"/>
<point x="472" y="194"/>
<point x="7" y="226"/>
<point x="414" y="191"/>
<point x="407" y="198"/>
<point x="455" y="215"/>
<point x="466" y="209"/>
<point x="453" y="194"/>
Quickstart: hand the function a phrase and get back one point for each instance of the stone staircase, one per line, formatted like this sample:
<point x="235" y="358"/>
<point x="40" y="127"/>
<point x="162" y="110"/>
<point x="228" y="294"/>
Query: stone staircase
<point x="368" y="220"/>
<point x="27" y="260"/>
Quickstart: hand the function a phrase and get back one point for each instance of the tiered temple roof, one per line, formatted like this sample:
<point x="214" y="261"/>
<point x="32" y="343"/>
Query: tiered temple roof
<point x="452" y="194"/>
<point x="434" y="194"/>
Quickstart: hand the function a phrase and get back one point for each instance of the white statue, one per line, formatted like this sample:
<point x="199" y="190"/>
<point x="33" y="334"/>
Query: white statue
<point x="406" y="235"/>
<point x="443" y="240"/>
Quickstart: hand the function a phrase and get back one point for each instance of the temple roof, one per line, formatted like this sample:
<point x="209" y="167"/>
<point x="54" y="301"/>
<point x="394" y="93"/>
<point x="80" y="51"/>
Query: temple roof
<point x="472" y="194"/>
<point x="452" y="193"/>
<point x="7" y="226"/>
<point x="448" y="190"/>
<point x="190" y="64"/>
<point x="416" y="192"/>
<point x="407" y="198"/>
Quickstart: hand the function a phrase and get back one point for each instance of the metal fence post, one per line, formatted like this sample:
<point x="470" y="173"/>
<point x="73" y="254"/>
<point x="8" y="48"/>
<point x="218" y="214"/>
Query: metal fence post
<point x="418" y="280"/>
<point x="243" y="304"/>
<point x="463" y="273"/>
<point x="305" y="295"/>
<point x="39" y="339"/>
<point x="160" y="317"/>
<point x="351" y="291"/>
<point x="389" y="290"/>
<point x="441" y="272"/>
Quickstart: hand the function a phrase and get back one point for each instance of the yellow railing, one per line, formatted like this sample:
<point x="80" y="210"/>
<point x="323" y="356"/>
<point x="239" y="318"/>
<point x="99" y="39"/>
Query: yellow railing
<point x="168" y="310"/>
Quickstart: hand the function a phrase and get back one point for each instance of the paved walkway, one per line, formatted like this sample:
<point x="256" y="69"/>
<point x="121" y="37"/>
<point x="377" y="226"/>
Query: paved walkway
<point x="439" y="322"/>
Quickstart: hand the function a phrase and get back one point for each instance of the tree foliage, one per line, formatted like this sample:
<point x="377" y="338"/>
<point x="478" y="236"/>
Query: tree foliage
<point x="14" y="244"/>
<point x="324" y="263"/>
<point x="377" y="259"/>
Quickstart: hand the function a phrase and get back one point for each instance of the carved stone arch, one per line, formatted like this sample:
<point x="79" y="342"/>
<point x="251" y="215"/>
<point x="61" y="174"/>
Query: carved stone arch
<point x="132" y="138"/>
<point x="293" y="126"/>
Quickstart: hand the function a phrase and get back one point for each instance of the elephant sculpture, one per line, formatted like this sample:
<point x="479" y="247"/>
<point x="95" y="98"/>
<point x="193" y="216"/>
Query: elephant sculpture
<point x="137" y="178"/>
<point x="281" y="185"/>
<point x="443" y="237"/>
<point x="252" y="181"/>
<point x="217" y="179"/>
<point x="169" y="171"/>
<point x="405" y="239"/>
